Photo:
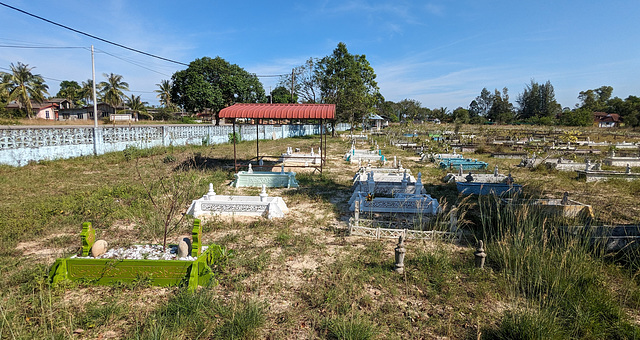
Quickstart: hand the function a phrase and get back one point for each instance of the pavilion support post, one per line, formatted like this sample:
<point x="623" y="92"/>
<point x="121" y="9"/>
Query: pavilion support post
<point x="320" y="150"/>
<point x="235" y="159"/>
<point x="257" y="141"/>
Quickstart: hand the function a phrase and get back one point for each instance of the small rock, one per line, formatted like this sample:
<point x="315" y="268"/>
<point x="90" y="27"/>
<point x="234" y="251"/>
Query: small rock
<point x="187" y="240"/>
<point x="99" y="247"/>
<point x="183" y="249"/>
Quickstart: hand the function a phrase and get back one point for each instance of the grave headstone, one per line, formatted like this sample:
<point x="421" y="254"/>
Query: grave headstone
<point x="400" y="252"/>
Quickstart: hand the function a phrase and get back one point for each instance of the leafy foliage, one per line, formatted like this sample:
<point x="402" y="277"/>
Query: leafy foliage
<point x="348" y="81"/>
<point x="213" y="84"/>
<point x="23" y="86"/>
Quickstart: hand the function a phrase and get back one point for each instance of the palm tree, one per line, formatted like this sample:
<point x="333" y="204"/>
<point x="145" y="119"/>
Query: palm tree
<point x="111" y="90"/>
<point x="136" y="105"/>
<point x="164" y="93"/>
<point x="24" y="86"/>
<point x="86" y="92"/>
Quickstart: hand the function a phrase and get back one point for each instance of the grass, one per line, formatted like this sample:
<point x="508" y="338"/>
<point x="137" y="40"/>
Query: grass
<point x="301" y="276"/>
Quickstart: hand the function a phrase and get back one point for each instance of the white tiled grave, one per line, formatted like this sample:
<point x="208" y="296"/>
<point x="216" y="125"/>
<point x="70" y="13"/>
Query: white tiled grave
<point x="261" y="205"/>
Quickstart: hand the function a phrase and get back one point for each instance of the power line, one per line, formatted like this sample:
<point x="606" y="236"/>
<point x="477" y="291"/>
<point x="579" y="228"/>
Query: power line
<point x="133" y="63"/>
<point x="107" y="41"/>
<point x="93" y="36"/>
<point x="43" y="47"/>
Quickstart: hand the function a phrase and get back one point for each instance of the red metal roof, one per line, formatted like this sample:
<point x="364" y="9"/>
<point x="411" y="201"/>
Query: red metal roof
<point x="280" y="111"/>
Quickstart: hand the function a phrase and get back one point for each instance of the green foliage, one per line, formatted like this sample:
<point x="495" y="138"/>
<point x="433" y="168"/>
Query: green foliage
<point x="538" y="101"/>
<point x="241" y="321"/>
<point x="501" y="110"/>
<point x="213" y="84"/>
<point x="70" y="90"/>
<point x="111" y="90"/>
<point x="187" y="120"/>
<point x="595" y="100"/>
<point x="281" y="95"/>
<point x="562" y="276"/>
<point x="350" y="328"/>
<point x="578" y="117"/>
<point x="526" y="325"/>
<point x="234" y="137"/>
<point x="348" y="81"/>
<point x="23" y="86"/>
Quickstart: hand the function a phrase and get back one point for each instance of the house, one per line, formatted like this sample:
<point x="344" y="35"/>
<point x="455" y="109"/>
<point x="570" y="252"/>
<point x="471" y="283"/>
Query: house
<point x="44" y="110"/>
<point x="603" y="119"/>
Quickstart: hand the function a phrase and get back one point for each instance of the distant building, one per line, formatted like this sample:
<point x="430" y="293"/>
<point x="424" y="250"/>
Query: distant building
<point x="607" y="120"/>
<point x="44" y="110"/>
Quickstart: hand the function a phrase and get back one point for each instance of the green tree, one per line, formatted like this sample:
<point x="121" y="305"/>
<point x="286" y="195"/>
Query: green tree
<point x="482" y="104"/>
<point x="86" y="91"/>
<point x="628" y="109"/>
<point x="213" y="84"/>
<point x="348" y="81"/>
<point x="70" y="90"/>
<point x="501" y="110"/>
<point x="23" y="86"/>
<point x="137" y="106"/>
<point x="443" y="114"/>
<point x="111" y="91"/>
<point x="538" y="103"/>
<point x="577" y="117"/>
<point x="281" y="95"/>
<point x="409" y="109"/>
<point x="164" y="93"/>
<point x="595" y="100"/>
<point x="461" y="116"/>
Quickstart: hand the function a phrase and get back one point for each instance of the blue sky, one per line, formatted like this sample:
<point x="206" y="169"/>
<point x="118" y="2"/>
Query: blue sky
<point x="441" y="53"/>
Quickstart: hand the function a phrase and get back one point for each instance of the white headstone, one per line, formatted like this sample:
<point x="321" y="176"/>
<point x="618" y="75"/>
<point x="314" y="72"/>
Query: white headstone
<point x="263" y="195"/>
<point x="419" y="185"/>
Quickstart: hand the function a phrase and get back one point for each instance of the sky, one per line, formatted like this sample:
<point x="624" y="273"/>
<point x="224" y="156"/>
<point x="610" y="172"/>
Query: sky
<point x="441" y="53"/>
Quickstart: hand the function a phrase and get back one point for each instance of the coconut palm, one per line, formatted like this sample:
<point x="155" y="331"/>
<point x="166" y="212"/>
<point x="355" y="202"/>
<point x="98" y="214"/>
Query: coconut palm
<point x="111" y="90"/>
<point x="86" y="92"/>
<point x="136" y="105"/>
<point x="164" y="93"/>
<point x="23" y="86"/>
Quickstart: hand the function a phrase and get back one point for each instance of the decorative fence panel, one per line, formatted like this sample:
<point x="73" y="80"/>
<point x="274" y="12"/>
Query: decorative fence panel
<point x="21" y="145"/>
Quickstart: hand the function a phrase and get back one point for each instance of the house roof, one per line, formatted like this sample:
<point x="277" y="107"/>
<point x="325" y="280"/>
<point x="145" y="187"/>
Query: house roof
<point x="280" y="111"/>
<point x="373" y="116"/>
<point x="34" y="105"/>
<point x="606" y="117"/>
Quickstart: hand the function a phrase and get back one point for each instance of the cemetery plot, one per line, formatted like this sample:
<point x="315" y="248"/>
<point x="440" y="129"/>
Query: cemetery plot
<point x="261" y="205"/>
<point x="191" y="267"/>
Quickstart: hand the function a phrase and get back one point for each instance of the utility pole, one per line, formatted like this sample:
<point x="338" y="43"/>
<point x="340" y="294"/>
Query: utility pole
<point x="293" y="77"/>
<point x="95" y="104"/>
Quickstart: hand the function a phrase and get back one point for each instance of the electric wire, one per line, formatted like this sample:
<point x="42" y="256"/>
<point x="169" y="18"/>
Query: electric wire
<point x="93" y="36"/>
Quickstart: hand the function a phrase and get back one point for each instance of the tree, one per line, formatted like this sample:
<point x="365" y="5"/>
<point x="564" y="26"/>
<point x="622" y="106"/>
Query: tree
<point x="409" y="109"/>
<point x="305" y="84"/>
<point x="23" y="86"/>
<point x="86" y="92"/>
<point x="538" y="103"/>
<point x="213" y="84"/>
<point x="164" y="93"/>
<point x="577" y="117"/>
<point x="348" y="81"/>
<point x="595" y="100"/>
<point x="461" y="116"/>
<point x="482" y="104"/>
<point x="70" y="90"/>
<point x="282" y="95"/>
<point x="137" y="106"/>
<point x="111" y="91"/>
<point x="501" y="110"/>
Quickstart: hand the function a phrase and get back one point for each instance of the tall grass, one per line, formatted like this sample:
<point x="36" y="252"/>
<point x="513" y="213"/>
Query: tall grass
<point x="556" y="283"/>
